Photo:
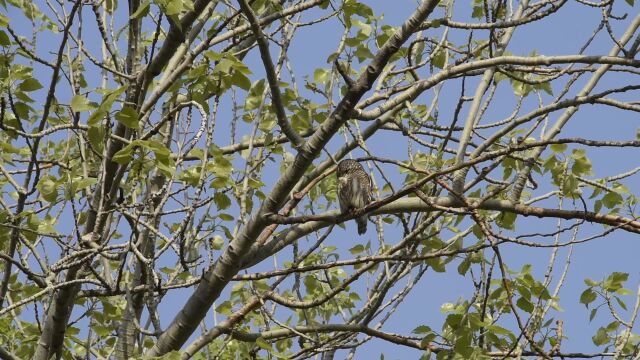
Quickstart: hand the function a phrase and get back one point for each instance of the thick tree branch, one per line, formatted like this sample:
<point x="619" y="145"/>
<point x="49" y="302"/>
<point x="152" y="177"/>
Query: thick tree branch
<point x="175" y="38"/>
<point x="393" y="338"/>
<point x="217" y="276"/>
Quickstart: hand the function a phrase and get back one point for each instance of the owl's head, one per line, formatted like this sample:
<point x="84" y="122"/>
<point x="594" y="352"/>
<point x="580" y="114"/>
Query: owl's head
<point x="346" y="166"/>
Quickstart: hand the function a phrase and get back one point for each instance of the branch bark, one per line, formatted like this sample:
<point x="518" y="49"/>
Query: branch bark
<point x="218" y="275"/>
<point x="393" y="338"/>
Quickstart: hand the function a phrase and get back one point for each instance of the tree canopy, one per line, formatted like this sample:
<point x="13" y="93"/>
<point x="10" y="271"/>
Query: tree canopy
<point x="168" y="185"/>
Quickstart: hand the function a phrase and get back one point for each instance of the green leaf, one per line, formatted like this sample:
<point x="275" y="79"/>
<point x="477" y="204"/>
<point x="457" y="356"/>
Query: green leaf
<point x="462" y="345"/>
<point x="254" y="98"/>
<point x="597" y="206"/>
<point x="591" y="282"/>
<point x="95" y="117"/>
<point x="525" y="304"/>
<point x="365" y="28"/>
<point x="615" y="281"/>
<point x="213" y="55"/>
<point x="437" y="264"/>
<point x="559" y="148"/>
<point x="163" y="160"/>
<point x="225" y="217"/>
<point x="300" y="122"/>
<point x="8" y="148"/>
<point x="219" y="182"/>
<point x="588" y="296"/>
<point x="624" y="291"/>
<point x="222" y="167"/>
<point x="224" y="308"/>
<point x="105" y="106"/>
<point x="612" y="199"/>
<point x="80" y="103"/>
<point x="166" y="165"/>
<point x="621" y="303"/>
<point x="311" y="283"/>
<point x="222" y="200"/>
<point x="129" y="117"/>
<point x="48" y="188"/>
<point x="613" y="326"/>
<point x="217" y="242"/>
<point x="422" y="329"/>
<point x="125" y="154"/>
<point x="111" y="6"/>
<point x="363" y="53"/>
<point x="581" y="164"/>
<point x="428" y="339"/>
<point x="630" y="2"/>
<point x="520" y="88"/>
<point x="241" y="80"/>
<point x="320" y="76"/>
<point x="81" y="183"/>
<point x="31" y="84"/>
<point x="261" y="342"/>
<point x="357" y="249"/>
<point x="478" y="12"/>
<point x="439" y="59"/>
<point x="4" y="39"/>
<point x="500" y="330"/>
<point x="142" y="10"/>
<point x="570" y="186"/>
<point x="267" y="122"/>
<point x="191" y="176"/>
<point x="464" y="266"/>
<point x="601" y="337"/>
<point x="102" y="331"/>
<point x="546" y="87"/>
<point x="174" y="7"/>
<point x="96" y="137"/>
<point x="22" y="110"/>
<point x="4" y="20"/>
<point x="506" y="220"/>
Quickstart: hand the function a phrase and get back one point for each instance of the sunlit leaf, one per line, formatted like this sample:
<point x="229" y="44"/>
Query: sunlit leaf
<point x="80" y="103"/>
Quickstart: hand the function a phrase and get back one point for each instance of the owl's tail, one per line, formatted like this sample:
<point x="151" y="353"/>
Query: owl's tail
<point x="362" y="224"/>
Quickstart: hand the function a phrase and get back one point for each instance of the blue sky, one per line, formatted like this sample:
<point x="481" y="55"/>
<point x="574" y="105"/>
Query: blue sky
<point x="560" y="34"/>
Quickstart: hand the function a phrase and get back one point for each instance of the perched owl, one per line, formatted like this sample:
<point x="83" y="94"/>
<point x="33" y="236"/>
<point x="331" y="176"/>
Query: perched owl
<point x="354" y="190"/>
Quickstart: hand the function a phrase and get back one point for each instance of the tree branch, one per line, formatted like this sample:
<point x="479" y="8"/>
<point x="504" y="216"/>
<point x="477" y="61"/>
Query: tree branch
<point x="523" y="174"/>
<point x="263" y="45"/>
<point x="438" y="203"/>
<point x="422" y="85"/>
<point x="218" y="275"/>
<point x="393" y="338"/>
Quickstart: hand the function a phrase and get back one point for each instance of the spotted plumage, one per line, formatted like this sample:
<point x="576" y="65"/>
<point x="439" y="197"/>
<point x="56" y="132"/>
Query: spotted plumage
<point x="354" y="190"/>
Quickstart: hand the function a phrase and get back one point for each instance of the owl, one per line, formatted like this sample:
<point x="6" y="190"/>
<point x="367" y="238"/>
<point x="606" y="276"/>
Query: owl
<point x="354" y="190"/>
